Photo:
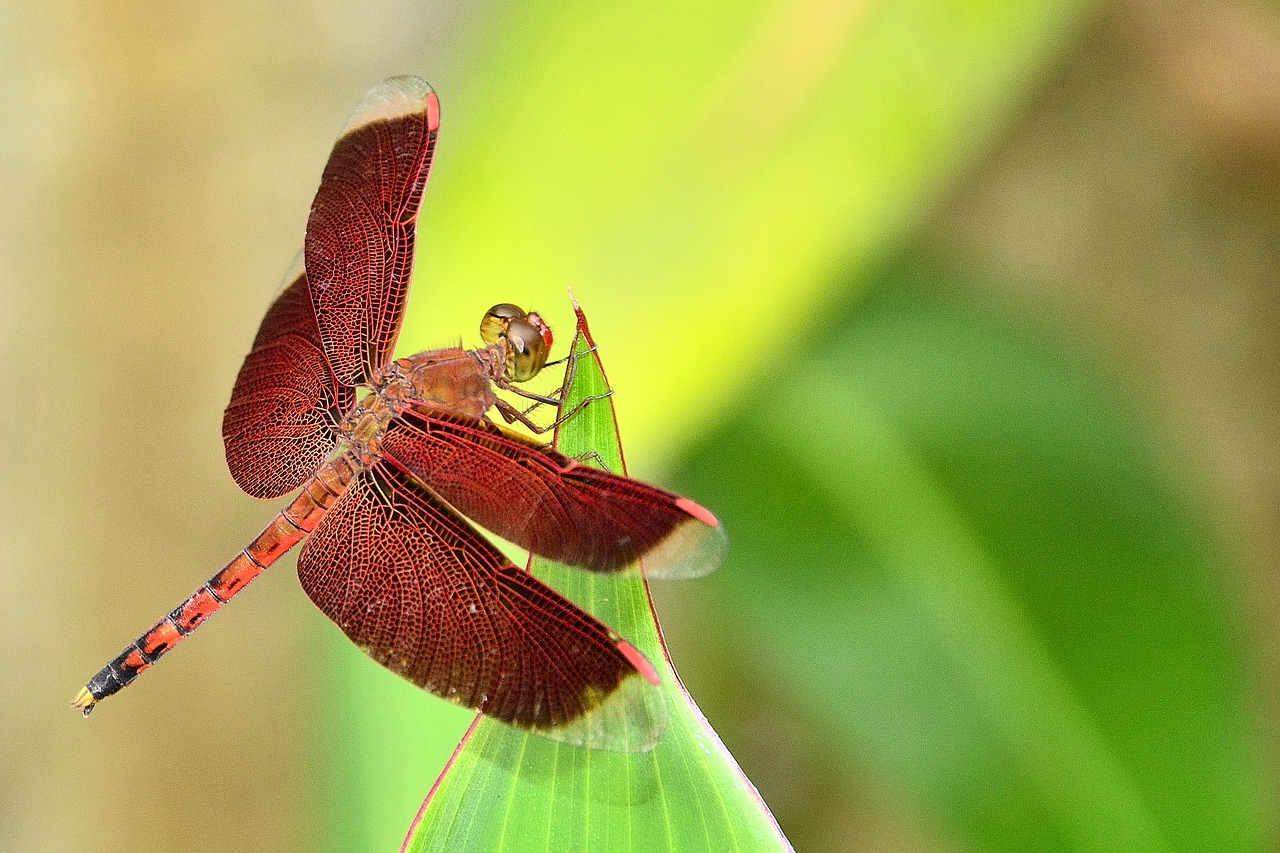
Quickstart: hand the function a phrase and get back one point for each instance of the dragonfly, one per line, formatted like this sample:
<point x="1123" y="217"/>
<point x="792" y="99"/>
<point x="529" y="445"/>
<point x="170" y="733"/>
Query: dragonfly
<point x="390" y="457"/>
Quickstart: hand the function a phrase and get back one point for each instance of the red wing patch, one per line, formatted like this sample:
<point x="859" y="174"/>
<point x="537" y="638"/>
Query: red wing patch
<point x="421" y="592"/>
<point x="360" y="235"/>
<point x="552" y="505"/>
<point x="281" y="422"/>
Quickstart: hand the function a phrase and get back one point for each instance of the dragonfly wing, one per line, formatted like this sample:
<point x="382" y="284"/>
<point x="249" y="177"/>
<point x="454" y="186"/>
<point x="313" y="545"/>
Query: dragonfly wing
<point x="360" y="235"/>
<point x="421" y="592"/>
<point x="281" y="422"/>
<point x="553" y="505"/>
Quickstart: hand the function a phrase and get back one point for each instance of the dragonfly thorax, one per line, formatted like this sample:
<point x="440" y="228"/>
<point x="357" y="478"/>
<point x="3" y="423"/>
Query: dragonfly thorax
<point x="454" y="380"/>
<point x="451" y="380"/>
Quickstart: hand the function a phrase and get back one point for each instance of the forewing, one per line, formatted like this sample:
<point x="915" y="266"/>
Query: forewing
<point x="360" y="235"/>
<point x="421" y="592"/>
<point x="552" y="505"/>
<point x="281" y="422"/>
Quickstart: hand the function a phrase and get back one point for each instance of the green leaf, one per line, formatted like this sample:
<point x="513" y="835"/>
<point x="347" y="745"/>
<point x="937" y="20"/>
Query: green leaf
<point x="509" y="791"/>
<point x="960" y="560"/>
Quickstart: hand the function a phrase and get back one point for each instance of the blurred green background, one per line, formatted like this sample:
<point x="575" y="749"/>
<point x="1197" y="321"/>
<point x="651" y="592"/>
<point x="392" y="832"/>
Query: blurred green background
<point x="961" y="315"/>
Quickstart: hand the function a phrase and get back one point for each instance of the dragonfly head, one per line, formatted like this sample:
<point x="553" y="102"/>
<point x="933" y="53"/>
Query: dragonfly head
<point x="525" y="335"/>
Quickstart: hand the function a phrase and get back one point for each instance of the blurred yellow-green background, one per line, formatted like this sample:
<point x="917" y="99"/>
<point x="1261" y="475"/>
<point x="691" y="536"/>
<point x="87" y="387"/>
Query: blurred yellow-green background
<point x="963" y="315"/>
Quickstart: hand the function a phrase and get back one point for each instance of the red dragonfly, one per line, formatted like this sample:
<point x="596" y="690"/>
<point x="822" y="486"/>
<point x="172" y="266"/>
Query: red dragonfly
<point x="390" y="454"/>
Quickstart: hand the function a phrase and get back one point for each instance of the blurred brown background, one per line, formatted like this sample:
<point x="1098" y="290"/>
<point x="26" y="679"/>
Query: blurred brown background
<point x="159" y="161"/>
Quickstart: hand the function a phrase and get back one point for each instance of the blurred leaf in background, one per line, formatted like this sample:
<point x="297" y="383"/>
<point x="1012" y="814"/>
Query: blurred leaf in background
<point x="959" y="560"/>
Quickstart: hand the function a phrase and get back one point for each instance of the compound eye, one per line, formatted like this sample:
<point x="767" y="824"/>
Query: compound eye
<point x="494" y="325"/>
<point x="526" y="350"/>
<point x="528" y="339"/>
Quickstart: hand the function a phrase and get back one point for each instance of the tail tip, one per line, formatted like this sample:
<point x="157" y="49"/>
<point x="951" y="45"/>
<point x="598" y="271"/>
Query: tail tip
<point x="84" y="701"/>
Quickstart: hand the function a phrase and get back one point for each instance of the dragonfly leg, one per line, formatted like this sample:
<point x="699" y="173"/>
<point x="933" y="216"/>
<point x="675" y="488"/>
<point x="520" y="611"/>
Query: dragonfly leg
<point x="592" y="455"/>
<point x="511" y="414"/>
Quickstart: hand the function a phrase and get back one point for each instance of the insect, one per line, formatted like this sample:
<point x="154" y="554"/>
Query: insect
<point x="390" y="454"/>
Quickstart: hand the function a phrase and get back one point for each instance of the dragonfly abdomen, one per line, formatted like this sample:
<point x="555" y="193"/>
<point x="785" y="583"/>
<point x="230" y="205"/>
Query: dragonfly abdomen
<point x="288" y="528"/>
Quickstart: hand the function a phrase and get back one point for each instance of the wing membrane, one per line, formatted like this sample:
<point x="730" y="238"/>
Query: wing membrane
<point x="421" y="592"/>
<point x="552" y="505"/>
<point x="360" y="235"/>
<point x="281" y="421"/>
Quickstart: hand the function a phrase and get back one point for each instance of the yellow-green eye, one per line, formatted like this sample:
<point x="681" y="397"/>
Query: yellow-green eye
<point x="494" y="325"/>
<point x="528" y="339"/>
<point x="526" y="350"/>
